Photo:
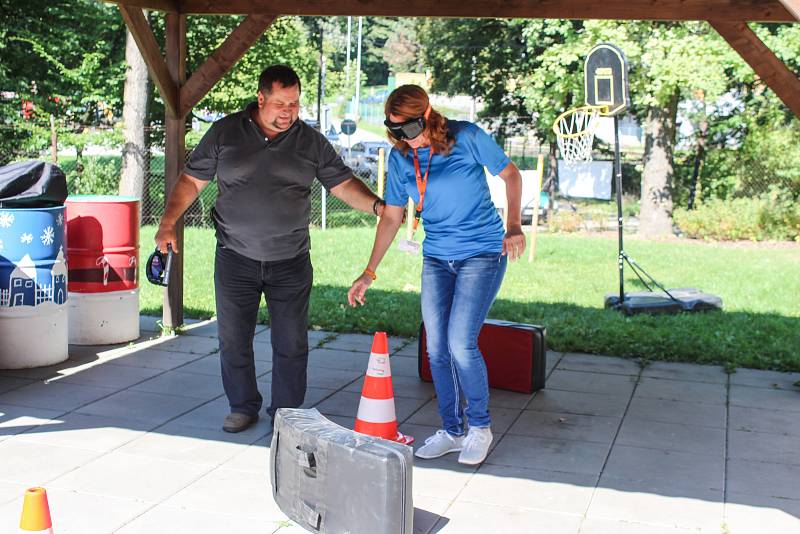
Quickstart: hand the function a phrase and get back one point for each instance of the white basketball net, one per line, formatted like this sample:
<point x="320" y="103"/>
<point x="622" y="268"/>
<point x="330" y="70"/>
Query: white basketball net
<point x="575" y="133"/>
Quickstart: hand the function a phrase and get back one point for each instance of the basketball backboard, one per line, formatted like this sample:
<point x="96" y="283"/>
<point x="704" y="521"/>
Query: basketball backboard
<point x="606" y="78"/>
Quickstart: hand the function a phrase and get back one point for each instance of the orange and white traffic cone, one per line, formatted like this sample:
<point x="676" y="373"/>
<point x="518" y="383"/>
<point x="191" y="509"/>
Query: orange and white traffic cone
<point x="376" y="415"/>
<point x="35" y="512"/>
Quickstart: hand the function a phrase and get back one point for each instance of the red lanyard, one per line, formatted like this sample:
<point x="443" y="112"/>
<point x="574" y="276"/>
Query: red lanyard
<point x="422" y="184"/>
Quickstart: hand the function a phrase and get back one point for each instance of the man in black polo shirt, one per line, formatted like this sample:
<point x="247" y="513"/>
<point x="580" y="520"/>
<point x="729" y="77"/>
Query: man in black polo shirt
<point x="265" y="160"/>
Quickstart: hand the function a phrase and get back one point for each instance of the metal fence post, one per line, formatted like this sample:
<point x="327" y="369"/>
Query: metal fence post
<point x="324" y="205"/>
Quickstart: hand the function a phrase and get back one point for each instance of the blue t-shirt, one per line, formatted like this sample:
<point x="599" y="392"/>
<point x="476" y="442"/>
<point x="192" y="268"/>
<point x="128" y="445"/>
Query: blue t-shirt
<point x="459" y="217"/>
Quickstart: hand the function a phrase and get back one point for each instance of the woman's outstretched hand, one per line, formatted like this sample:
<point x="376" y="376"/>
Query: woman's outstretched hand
<point x="514" y="243"/>
<point x="356" y="293"/>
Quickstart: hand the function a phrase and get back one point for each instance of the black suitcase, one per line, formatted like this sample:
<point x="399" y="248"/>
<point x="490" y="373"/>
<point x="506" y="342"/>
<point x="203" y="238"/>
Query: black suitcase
<point x="515" y="355"/>
<point x="332" y="480"/>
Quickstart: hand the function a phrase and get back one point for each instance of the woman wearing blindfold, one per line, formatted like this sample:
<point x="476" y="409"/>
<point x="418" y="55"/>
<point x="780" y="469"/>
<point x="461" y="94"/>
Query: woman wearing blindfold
<point x="439" y="164"/>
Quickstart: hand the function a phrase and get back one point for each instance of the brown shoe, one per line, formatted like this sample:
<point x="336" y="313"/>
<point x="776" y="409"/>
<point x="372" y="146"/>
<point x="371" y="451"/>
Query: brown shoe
<point x="236" y="422"/>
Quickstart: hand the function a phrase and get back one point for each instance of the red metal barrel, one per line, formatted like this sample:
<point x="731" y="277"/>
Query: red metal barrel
<point x="102" y="243"/>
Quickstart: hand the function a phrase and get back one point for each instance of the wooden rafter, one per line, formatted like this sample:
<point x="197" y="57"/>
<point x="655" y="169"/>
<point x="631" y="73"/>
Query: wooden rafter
<point x="137" y="24"/>
<point x="222" y="59"/>
<point x="764" y="62"/>
<point x="793" y="7"/>
<point x="730" y="10"/>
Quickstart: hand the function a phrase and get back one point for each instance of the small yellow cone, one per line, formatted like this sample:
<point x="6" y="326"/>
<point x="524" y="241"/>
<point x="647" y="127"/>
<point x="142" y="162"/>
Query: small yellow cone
<point x="35" y="512"/>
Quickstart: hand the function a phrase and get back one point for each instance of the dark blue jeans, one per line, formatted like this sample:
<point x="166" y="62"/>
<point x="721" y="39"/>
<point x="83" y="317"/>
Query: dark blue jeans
<point x="456" y="297"/>
<point x="239" y="283"/>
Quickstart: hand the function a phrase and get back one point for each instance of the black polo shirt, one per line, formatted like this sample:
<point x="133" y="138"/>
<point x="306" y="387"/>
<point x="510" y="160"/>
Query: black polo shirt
<point x="264" y="201"/>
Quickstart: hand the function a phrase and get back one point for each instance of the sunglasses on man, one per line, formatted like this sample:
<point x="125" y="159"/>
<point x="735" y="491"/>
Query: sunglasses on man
<point x="409" y="129"/>
<point x="158" y="267"/>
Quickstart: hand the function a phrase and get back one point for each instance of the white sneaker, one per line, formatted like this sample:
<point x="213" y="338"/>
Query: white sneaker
<point x="439" y="444"/>
<point x="475" y="446"/>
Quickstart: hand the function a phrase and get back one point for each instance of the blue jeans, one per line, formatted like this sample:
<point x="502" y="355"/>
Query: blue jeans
<point x="456" y="297"/>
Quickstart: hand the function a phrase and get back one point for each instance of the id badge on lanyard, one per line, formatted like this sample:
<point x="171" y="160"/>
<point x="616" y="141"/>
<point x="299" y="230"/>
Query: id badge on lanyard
<point x="409" y="245"/>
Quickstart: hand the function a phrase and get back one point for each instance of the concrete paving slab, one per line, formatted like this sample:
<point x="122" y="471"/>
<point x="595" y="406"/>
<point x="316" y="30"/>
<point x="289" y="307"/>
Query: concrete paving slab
<point x="78" y="513"/>
<point x="8" y="383"/>
<point x="555" y="454"/>
<point x="222" y="491"/>
<point x="345" y="403"/>
<point x="55" y="395"/>
<point x="12" y="491"/>
<point x="17" y="419"/>
<point x="319" y="377"/>
<point x="130" y="476"/>
<point x="745" y="514"/>
<point x="762" y="446"/>
<point x="592" y="363"/>
<point x="766" y="379"/>
<point x="36" y="464"/>
<point x="404" y="386"/>
<point x="500" y="398"/>
<point x="661" y="388"/>
<point x="679" y="412"/>
<point x="765" y="479"/>
<point x="594" y="428"/>
<point x="639" y="432"/>
<point x="427" y="512"/>
<point x="109" y="376"/>
<point x="689" y="372"/>
<point x="361" y="343"/>
<point x="583" y="382"/>
<point x="253" y="458"/>
<point x="640" y="502"/>
<point x="189" y="344"/>
<point x="610" y="526"/>
<point x="685" y="473"/>
<point x="210" y="447"/>
<point x="536" y="489"/>
<point x="152" y="408"/>
<point x="207" y="365"/>
<point x="154" y="358"/>
<point x="339" y="359"/>
<point x="760" y="420"/>
<point x="405" y="367"/>
<point x="558" y="401"/>
<point x="472" y="518"/>
<point x="91" y="432"/>
<point x="767" y="399"/>
<point x="163" y="518"/>
<point x="180" y="384"/>
<point x="428" y="415"/>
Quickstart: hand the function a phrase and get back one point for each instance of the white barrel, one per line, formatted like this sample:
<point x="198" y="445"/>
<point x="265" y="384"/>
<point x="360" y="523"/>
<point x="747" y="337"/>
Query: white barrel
<point x="103" y="318"/>
<point x="33" y="287"/>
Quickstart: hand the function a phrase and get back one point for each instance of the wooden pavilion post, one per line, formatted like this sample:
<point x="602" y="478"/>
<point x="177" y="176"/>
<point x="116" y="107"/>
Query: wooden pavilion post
<point x="175" y="157"/>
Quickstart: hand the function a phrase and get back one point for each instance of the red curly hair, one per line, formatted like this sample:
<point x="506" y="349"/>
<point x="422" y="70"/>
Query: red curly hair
<point x="410" y="101"/>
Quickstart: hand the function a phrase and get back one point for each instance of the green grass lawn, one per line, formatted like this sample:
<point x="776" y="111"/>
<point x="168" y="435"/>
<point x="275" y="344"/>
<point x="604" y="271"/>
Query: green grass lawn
<point x="562" y="290"/>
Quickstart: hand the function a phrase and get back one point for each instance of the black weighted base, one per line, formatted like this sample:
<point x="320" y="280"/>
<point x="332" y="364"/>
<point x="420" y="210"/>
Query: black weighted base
<point x="685" y="299"/>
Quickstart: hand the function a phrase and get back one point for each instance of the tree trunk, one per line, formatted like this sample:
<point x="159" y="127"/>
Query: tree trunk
<point x="655" y="216"/>
<point x="135" y="160"/>
<point x="700" y="153"/>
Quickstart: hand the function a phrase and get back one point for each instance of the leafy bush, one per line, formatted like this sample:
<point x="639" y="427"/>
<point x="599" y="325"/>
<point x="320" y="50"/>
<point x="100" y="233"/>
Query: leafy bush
<point x="93" y="176"/>
<point x="566" y="221"/>
<point x="774" y="215"/>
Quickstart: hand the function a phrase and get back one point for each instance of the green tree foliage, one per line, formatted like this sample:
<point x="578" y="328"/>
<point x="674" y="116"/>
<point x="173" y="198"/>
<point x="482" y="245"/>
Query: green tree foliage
<point x="283" y="42"/>
<point x="65" y="57"/>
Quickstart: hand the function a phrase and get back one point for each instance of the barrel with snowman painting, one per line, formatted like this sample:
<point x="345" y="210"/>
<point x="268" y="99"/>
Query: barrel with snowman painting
<point x="103" y="250"/>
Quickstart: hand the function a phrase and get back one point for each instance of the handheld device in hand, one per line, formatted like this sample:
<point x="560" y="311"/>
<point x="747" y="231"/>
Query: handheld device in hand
<point x="158" y="267"/>
<point x="409" y="246"/>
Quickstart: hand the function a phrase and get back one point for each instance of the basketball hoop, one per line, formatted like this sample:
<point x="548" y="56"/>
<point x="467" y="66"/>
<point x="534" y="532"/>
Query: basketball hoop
<point x="575" y="130"/>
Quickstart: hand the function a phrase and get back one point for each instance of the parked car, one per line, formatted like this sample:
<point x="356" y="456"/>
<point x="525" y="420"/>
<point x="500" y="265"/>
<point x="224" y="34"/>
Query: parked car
<point x="363" y="158"/>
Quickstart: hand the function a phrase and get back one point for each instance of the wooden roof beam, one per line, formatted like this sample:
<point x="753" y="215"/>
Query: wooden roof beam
<point x="729" y="10"/>
<point x="167" y="6"/>
<point x="764" y="62"/>
<point x="793" y="7"/>
<point x="222" y="59"/>
<point x="140" y="30"/>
